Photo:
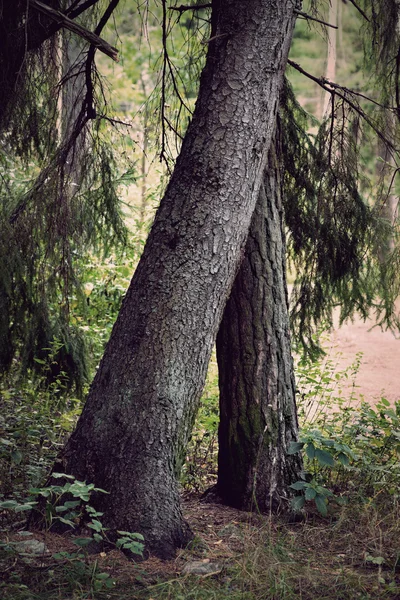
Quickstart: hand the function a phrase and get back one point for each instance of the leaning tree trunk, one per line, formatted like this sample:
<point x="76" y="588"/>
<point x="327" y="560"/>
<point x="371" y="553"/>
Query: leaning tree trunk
<point x="139" y="412"/>
<point x="258" y="417"/>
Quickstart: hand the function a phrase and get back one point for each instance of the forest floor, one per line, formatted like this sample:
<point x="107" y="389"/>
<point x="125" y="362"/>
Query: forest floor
<point x="234" y="556"/>
<point x="352" y="554"/>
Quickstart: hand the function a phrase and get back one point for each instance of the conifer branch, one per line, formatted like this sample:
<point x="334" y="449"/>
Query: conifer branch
<point x="343" y="93"/>
<point x="63" y="21"/>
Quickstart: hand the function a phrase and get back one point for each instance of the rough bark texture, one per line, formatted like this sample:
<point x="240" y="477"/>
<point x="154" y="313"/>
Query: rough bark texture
<point x="258" y="416"/>
<point x="141" y="405"/>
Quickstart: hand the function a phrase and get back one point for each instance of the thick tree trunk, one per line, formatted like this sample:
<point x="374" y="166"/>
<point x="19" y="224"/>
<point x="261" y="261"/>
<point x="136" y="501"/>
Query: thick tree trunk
<point x="258" y="416"/>
<point x="140" y="409"/>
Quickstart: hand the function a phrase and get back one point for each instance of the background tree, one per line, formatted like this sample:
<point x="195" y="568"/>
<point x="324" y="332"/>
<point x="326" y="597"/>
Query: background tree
<point x="258" y="416"/>
<point x="333" y="233"/>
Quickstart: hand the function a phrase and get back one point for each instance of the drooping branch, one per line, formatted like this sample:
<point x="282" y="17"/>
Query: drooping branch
<point x="90" y="109"/>
<point x="63" y="21"/>
<point x="168" y="71"/>
<point x="343" y="93"/>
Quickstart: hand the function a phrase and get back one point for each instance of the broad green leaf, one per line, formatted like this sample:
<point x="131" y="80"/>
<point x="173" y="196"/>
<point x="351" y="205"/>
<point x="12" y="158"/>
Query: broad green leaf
<point x="321" y="505"/>
<point x="8" y="504"/>
<point x="82" y="542"/>
<point x="101" y="490"/>
<point x="329" y="443"/>
<point x="310" y="450"/>
<point x="376" y="560"/>
<point x="96" y="525"/>
<point x="24" y="507"/>
<point x="102" y="575"/>
<point x="135" y="547"/>
<point x="66" y="521"/>
<point x="16" y="457"/>
<point x="324" y="458"/>
<point x="136" y="536"/>
<point x="298" y="485"/>
<point x="295" y="447"/>
<point x="72" y="503"/>
<point x="297" y="503"/>
<point x="5" y="442"/>
<point x="343" y="459"/>
<point x="310" y="493"/>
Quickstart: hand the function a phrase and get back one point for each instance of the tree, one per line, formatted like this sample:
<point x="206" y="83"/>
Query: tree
<point x="57" y="184"/>
<point x="258" y="417"/>
<point x="332" y="235"/>
<point x="139" y="412"/>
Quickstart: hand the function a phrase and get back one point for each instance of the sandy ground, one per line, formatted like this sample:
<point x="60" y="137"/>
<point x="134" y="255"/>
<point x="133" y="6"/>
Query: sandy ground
<point x="379" y="373"/>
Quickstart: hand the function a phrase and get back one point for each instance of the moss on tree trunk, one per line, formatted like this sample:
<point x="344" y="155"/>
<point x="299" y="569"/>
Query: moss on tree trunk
<point x="258" y="418"/>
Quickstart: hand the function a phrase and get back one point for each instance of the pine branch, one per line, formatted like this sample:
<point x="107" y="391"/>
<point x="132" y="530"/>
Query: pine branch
<point x="341" y="92"/>
<point x="64" y="21"/>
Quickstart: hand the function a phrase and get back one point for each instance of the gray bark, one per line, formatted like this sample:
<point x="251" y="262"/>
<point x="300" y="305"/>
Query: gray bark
<point x="142" y="403"/>
<point x="258" y="417"/>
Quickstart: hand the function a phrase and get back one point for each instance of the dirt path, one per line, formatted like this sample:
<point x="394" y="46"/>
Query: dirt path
<point x="379" y="373"/>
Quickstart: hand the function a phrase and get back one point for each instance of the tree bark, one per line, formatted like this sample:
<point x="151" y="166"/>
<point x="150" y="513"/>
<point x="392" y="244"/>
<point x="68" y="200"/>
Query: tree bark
<point x="258" y="417"/>
<point x="135" y="425"/>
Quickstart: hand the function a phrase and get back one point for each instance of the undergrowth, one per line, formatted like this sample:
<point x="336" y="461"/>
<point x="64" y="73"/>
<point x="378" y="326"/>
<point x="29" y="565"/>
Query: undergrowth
<point x="345" y="546"/>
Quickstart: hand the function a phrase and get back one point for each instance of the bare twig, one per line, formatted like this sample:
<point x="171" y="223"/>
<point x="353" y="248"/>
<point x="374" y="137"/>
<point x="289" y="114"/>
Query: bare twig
<point x="397" y="84"/>
<point x="308" y="17"/>
<point x="215" y="37"/>
<point x="74" y="11"/>
<point x="114" y="122"/>
<point x="182" y="8"/>
<point x="331" y="129"/>
<point x="360" y="10"/>
<point x="90" y="109"/>
<point x="68" y="23"/>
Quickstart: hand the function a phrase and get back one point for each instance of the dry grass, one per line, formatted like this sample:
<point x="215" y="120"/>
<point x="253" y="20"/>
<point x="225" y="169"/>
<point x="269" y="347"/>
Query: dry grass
<point x="259" y="558"/>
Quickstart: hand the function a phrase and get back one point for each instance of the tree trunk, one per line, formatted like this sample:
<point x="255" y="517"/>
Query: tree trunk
<point x="135" y="425"/>
<point x="258" y="416"/>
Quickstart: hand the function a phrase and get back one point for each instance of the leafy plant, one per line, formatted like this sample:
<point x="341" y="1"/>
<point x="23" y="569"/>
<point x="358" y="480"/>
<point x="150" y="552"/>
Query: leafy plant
<point x="59" y="507"/>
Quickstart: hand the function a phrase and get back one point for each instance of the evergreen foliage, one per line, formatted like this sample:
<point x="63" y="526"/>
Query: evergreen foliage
<point x="58" y="188"/>
<point x="334" y="200"/>
<point x="333" y="230"/>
